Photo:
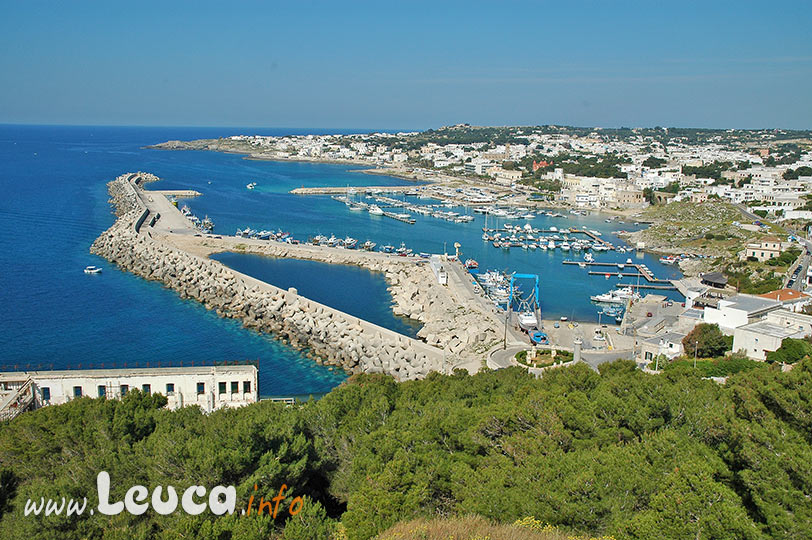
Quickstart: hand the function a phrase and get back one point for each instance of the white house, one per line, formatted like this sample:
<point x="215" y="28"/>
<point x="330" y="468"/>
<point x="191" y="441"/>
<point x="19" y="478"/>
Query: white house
<point x="738" y="310"/>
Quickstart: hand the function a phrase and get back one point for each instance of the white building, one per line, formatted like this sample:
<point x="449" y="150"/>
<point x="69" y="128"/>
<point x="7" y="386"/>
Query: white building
<point x="758" y="338"/>
<point x="210" y="387"/>
<point x="738" y="310"/>
<point x="668" y="345"/>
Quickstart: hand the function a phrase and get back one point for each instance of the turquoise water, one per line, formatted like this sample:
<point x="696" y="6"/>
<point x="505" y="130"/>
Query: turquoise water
<point x="347" y="288"/>
<point x="54" y="202"/>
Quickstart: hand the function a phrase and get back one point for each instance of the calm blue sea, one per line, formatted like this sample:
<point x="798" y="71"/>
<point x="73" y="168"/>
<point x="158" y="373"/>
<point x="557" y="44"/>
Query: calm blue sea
<point x="53" y="204"/>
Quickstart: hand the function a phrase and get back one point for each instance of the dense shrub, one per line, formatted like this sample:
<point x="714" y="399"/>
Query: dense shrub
<point x="619" y="453"/>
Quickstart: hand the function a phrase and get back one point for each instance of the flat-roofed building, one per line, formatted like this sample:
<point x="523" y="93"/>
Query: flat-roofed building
<point x="758" y="338"/>
<point x="668" y="344"/>
<point x="209" y="387"/>
<point x="731" y="313"/>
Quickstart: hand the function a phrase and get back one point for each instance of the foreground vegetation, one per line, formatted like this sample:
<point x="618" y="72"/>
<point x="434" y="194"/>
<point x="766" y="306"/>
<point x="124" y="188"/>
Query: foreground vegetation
<point x="619" y="453"/>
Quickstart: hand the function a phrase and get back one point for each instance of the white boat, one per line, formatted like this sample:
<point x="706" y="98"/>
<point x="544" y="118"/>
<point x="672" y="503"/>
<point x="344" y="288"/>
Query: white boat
<point x="527" y="320"/>
<point x="92" y="270"/>
<point x="550" y="245"/>
<point x="528" y="216"/>
<point x="565" y="246"/>
<point x="589" y="258"/>
<point x="252" y="185"/>
<point x="369" y="245"/>
<point x="617" y="296"/>
<point x="375" y="210"/>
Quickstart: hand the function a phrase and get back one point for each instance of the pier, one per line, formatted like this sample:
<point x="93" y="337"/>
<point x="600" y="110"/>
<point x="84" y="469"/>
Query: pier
<point x="641" y="271"/>
<point x="399" y="217"/>
<point x="349" y="190"/>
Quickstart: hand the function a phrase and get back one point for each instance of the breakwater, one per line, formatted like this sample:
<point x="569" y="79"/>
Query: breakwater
<point x="136" y="243"/>
<point x="454" y="319"/>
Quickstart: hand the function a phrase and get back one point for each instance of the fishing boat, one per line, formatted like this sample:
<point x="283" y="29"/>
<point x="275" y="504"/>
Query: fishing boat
<point x="349" y="242"/>
<point x="527" y="320"/>
<point x="368" y="245"/>
<point x="471" y="264"/>
<point x="92" y="270"/>
<point x="207" y="225"/>
<point x="387" y="248"/>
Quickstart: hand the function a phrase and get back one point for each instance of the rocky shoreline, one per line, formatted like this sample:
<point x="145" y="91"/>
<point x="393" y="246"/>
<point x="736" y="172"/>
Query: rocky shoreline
<point x="328" y="336"/>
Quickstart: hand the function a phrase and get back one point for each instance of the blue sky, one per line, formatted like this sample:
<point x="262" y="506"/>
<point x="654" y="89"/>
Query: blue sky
<point x="404" y="65"/>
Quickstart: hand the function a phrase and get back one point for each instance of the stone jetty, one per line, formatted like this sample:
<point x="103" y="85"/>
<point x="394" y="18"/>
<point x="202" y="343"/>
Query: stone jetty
<point x="136" y="243"/>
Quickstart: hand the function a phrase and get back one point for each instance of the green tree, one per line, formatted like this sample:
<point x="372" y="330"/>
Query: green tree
<point x="790" y="351"/>
<point x="705" y="340"/>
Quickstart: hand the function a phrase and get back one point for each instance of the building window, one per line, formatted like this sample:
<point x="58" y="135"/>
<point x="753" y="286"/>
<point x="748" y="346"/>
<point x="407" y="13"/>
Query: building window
<point x="46" y="393"/>
<point x="235" y="387"/>
<point x="77" y="391"/>
<point x="147" y="389"/>
<point x="246" y="387"/>
<point x="124" y="388"/>
<point x="648" y="356"/>
<point x="201" y="388"/>
<point x="170" y="388"/>
<point x="102" y="391"/>
<point x="221" y="388"/>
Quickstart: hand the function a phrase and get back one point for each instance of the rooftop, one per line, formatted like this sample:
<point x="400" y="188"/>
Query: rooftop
<point x="672" y="337"/>
<point x="751" y="304"/>
<point x="769" y="329"/>
<point x="128" y="372"/>
<point x="784" y="295"/>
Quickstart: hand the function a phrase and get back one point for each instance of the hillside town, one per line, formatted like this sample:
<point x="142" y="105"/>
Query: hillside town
<point x="770" y="171"/>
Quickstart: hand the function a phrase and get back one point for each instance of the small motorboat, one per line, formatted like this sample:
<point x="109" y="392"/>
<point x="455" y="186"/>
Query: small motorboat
<point x="92" y="270"/>
<point x="538" y="337"/>
<point x="471" y="264"/>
